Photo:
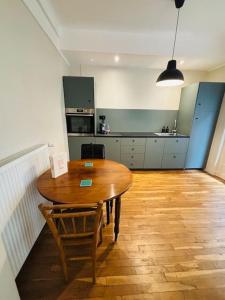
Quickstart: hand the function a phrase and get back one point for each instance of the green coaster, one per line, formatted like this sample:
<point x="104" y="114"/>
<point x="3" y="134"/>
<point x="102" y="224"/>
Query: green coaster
<point x="86" y="182"/>
<point x="88" y="164"/>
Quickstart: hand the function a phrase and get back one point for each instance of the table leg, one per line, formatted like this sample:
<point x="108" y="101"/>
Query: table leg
<point x="117" y="217"/>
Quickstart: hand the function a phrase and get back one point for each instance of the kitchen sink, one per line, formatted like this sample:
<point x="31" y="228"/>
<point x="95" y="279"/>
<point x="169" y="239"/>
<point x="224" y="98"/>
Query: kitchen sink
<point x="166" y="134"/>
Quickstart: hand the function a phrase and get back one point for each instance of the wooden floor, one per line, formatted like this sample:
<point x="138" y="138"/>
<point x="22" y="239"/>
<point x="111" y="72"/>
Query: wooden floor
<point x="171" y="246"/>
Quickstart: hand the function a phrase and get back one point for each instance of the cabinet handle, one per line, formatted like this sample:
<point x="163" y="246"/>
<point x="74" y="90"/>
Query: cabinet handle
<point x="155" y="141"/>
<point x="174" y="156"/>
<point x="133" y="141"/>
<point x="177" y="141"/>
<point x="132" y="149"/>
<point x="117" y="141"/>
<point x="196" y="118"/>
<point x="199" y="104"/>
<point x="131" y="164"/>
<point x="132" y="156"/>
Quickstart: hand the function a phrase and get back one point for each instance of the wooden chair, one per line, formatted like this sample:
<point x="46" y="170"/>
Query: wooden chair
<point x="71" y="227"/>
<point x="92" y="151"/>
<point x="89" y="151"/>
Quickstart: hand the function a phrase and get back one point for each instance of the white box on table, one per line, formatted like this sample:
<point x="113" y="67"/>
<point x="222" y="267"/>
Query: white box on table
<point x="58" y="163"/>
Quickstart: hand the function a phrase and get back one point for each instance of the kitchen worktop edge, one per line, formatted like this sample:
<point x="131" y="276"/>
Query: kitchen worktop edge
<point x="151" y="135"/>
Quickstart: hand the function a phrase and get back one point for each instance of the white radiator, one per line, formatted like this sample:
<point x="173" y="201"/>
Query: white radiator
<point x="20" y="219"/>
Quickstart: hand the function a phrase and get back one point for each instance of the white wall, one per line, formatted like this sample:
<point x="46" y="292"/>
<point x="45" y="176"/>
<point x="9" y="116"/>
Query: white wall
<point x="217" y="75"/>
<point x="31" y="102"/>
<point x="133" y="88"/>
<point x="216" y="160"/>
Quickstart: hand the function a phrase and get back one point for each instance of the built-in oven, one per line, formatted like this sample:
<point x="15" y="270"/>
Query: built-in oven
<point x="80" y="121"/>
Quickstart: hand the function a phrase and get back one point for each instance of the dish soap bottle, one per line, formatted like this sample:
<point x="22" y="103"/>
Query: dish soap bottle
<point x="163" y="129"/>
<point x="167" y="129"/>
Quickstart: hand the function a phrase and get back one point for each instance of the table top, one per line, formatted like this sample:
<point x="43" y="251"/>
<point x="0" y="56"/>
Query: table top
<point x="109" y="180"/>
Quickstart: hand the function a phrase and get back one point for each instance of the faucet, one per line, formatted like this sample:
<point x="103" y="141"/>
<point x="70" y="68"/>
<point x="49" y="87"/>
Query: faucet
<point x="174" y="130"/>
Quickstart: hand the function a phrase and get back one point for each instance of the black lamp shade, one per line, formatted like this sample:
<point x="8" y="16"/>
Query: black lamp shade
<point x="179" y="3"/>
<point x="171" y="76"/>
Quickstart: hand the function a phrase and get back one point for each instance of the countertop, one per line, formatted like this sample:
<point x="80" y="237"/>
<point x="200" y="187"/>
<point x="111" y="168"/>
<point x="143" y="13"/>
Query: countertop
<point x="139" y="134"/>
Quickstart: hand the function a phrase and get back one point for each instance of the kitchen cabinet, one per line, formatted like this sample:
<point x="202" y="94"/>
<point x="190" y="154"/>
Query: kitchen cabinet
<point x="133" y="152"/>
<point x="133" y="149"/>
<point x="175" y="151"/>
<point x="78" y="91"/>
<point x="154" y="153"/>
<point x="173" y="160"/>
<point x="75" y="143"/>
<point x="176" y="145"/>
<point x="112" y="147"/>
<point x="133" y="141"/>
<point x="197" y="116"/>
<point x="137" y="153"/>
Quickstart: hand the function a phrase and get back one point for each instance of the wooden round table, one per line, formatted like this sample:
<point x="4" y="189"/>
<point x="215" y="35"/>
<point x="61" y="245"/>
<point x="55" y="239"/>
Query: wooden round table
<point x="109" y="181"/>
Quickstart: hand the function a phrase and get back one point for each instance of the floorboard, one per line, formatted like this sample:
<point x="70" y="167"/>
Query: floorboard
<point x="171" y="246"/>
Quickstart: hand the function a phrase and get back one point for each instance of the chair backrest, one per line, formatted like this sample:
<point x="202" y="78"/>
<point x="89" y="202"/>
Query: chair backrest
<point x="92" y="151"/>
<point x="68" y="221"/>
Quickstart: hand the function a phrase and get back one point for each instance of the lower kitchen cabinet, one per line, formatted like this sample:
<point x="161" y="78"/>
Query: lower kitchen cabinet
<point x="173" y="161"/>
<point x="137" y="153"/>
<point x="154" y="153"/>
<point x="175" y="151"/>
<point x="133" y="164"/>
<point x="132" y="156"/>
<point x="133" y="141"/>
<point x="176" y="145"/>
<point x="112" y="147"/>
<point x="133" y="149"/>
<point x="75" y="143"/>
<point x="133" y="152"/>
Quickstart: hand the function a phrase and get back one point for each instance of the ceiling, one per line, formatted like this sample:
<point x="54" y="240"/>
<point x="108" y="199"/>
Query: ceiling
<point x="141" y="32"/>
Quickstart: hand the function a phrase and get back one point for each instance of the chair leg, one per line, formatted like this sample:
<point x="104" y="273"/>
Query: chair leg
<point x="111" y="206"/>
<point x="94" y="269"/>
<point x="108" y="212"/>
<point x="101" y="234"/>
<point x="64" y="265"/>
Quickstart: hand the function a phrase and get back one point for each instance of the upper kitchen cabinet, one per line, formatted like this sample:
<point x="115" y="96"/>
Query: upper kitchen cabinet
<point x="78" y="91"/>
<point x="198" y="112"/>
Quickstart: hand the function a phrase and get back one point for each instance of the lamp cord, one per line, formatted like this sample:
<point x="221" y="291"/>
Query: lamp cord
<point x="175" y="38"/>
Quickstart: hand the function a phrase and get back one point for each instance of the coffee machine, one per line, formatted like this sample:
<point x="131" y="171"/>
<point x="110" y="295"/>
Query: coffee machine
<point x="103" y="125"/>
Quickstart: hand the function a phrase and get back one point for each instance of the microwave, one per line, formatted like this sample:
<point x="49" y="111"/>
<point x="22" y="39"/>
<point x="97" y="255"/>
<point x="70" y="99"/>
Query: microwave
<point x="80" y="121"/>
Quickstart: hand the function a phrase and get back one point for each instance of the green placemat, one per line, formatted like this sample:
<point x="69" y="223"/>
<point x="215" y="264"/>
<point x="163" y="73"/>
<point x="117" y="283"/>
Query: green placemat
<point x="88" y="164"/>
<point x="86" y="182"/>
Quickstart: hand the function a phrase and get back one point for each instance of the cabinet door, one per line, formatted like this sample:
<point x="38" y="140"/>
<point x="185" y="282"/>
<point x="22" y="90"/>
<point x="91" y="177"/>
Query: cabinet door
<point x="154" y="153"/>
<point x="75" y="145"/>
<point x="206" y="113"/>
<point x="78" y="91"/>
<point x="209" y="97"/>
<point x="176" y="145"/>
<point x="112" y="147"/>
<point x="200" y="141"/>
<point x="173" y="161"/>
<point x="187" y="108"/>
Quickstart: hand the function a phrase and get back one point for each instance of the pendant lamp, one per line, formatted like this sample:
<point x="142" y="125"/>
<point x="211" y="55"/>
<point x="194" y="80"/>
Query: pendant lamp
<point x="172" y="76"/>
